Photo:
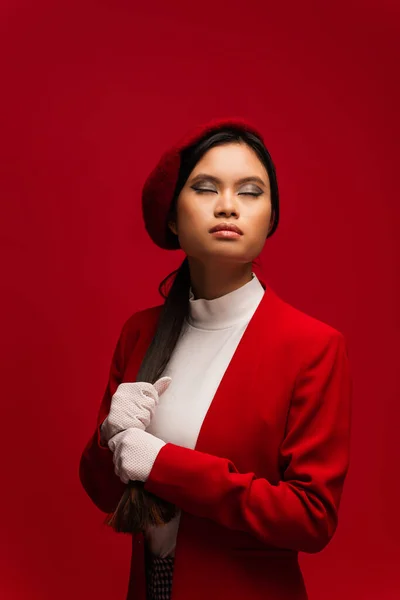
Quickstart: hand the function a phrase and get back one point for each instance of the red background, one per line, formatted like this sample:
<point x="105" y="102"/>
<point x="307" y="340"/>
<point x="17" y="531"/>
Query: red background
<point x="92" y="93"/>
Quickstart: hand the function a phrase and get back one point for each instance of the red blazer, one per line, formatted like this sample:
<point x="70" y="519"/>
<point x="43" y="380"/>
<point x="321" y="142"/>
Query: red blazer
<point x="266" y="477"/>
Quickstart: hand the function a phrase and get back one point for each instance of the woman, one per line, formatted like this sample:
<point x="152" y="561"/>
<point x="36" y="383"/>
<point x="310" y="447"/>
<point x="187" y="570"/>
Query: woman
<point x="224" y="402"/>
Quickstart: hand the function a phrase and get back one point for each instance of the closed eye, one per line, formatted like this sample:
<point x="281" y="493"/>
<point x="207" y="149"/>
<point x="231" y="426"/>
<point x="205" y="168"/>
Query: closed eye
<point x="200" y="190"/>
<point x="204" y="190"/>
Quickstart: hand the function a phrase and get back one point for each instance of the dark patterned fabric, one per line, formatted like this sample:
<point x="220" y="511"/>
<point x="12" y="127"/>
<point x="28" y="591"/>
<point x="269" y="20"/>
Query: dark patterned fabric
<point x="159" y="572"/>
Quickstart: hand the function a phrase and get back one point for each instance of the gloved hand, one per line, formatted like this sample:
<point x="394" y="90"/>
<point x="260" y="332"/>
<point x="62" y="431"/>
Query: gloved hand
<point x="134" y="452"/>
<point x="132" y="405"/>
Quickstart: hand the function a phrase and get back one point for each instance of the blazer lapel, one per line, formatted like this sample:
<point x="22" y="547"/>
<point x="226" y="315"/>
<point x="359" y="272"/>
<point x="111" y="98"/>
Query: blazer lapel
<point x="224" y="419"/>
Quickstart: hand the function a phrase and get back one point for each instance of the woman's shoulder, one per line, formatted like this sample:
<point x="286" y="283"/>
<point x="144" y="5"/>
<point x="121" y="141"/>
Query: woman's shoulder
<point x="306" y="338"/>
<point x="300" y="325"/>
<point x="144" y="318"/>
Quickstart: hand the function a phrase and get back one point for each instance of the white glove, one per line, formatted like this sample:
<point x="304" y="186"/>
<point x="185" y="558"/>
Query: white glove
<point x="132" y="405"/>
<point x="134" y="453"/>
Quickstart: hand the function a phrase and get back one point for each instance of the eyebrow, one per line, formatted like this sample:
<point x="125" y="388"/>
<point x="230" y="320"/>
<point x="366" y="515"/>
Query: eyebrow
<point x="217" y="180"/>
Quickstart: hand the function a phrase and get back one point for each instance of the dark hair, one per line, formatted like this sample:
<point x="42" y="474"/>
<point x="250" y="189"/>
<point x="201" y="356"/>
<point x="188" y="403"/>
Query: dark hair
<point x="176" y="305"/>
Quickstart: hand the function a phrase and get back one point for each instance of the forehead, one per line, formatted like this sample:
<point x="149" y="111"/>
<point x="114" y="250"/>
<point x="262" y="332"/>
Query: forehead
<point x="230" y="160"/>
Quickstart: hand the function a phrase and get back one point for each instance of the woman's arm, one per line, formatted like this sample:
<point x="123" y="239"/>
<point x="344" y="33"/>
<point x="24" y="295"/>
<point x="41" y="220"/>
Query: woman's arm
<point x="96" y="467"/>
<point x="301" y="512"/>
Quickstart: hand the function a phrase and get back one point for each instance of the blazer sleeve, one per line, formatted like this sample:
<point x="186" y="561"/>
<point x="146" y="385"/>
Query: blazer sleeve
<point x="301" y="511"/>
<point x="96" y="467"/>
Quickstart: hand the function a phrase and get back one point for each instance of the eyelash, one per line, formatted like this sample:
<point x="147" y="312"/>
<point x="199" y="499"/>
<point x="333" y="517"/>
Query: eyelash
<point x="242" y="193"/>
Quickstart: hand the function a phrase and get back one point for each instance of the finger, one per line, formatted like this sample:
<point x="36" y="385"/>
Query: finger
<point x="162" y="384"/>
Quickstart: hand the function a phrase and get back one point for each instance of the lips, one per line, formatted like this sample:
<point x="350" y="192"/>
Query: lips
<point x="226" y="227"/>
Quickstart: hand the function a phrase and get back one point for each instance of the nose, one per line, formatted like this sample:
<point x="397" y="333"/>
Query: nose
<point x="226" y="205"/>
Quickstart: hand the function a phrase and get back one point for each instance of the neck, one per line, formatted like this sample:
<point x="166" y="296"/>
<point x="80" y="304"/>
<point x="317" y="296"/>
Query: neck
<point x="228" y="310"/>
<point x="210" y="281"/>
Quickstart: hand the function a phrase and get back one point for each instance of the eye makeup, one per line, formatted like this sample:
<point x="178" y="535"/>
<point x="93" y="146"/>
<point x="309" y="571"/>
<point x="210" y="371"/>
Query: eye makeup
<point x="203" y="190"/>
<point x="205" y="176"/>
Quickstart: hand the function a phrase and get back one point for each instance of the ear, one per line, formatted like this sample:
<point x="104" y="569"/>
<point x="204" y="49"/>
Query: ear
<point x="271" y="222"/>
<point x="172" y="227"/>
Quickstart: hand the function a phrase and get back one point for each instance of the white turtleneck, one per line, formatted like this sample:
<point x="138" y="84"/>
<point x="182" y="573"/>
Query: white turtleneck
<point x="199" y="360"/>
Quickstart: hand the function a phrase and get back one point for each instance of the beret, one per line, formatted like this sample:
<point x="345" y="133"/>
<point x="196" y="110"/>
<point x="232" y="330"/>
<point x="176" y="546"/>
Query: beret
<point x="159" y="187"/>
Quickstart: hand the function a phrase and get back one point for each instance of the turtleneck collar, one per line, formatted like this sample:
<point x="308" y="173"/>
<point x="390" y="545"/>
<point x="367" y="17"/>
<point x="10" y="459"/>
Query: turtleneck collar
<point x="227" y="310"/>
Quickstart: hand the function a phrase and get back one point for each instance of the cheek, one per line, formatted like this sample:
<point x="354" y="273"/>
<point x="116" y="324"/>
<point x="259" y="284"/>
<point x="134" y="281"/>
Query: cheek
<point x="264" y="220"/>
<point x="258" y="221"/>
<point x="193" y="217"/>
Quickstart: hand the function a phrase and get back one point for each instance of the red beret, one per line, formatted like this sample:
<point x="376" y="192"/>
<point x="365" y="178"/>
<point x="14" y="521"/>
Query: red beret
<point x="159" y="187"/>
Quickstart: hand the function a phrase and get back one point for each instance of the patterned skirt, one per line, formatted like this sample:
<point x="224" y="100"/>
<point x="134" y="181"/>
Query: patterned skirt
<point x="159" y="572"/>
